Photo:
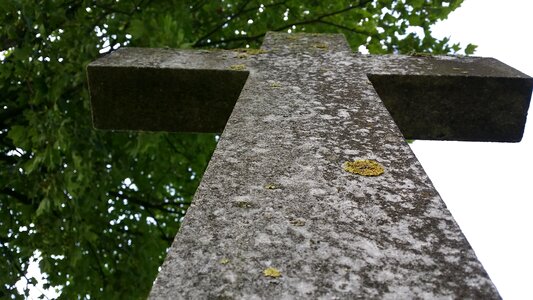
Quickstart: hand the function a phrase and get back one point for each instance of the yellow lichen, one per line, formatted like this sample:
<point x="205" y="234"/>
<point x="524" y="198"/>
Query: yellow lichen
<point x="250" y="51"/>
<point x="419" y="54"/>
<point x="297" y="222"/>
<point x="271" y="186"/>
<point x="321" y="45"/>
<point x="238" y="67"/>
<point x="243" y="204"/>
<point x="224" y="261"/>
<point x="364" y="167"/>
<point x="275" y="84"/>
<point x="272" y="272"/>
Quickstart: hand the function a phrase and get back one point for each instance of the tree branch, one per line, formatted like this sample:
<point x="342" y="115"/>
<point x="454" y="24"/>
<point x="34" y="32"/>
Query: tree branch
<point x="16" y="195"/>
<point x="14" y="263"/>
<point x="8" y="114"/>
<point x="354" y="30"/>
<point x="199" y="4"/>
<point x="99" y="269"/>
<point x="318" y="19"/>
<point x="176" y="150"/>
<point x="6" y="43"/>
<point x="8" y="159"/>
<point x="201" y="41"/>
<point x="163" y="234"/>
<point x="226" y="21"/>
<point x="147" y="204"/>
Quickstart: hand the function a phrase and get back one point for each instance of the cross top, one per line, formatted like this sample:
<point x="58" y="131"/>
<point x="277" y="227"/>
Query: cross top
<point x="276" y="214"/>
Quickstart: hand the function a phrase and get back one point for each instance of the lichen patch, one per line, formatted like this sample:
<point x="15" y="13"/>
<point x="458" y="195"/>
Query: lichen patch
<point x="297" y="222"/>
<point x="250" y="51"/>
<point x="271" y="186"/>
<point x="243" y="204"/>
<point x="272" y="272"/>
<point x="238" y="67"/>
<point x="320" y="46"/>
<point x="364" y="167"/>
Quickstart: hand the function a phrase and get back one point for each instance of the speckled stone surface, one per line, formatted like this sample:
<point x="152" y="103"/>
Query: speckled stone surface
<point x="275" y="194"/>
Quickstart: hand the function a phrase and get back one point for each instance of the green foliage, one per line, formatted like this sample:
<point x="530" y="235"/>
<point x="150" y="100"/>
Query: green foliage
<point x="102" y="207"/>
<point x="470" y="49"/>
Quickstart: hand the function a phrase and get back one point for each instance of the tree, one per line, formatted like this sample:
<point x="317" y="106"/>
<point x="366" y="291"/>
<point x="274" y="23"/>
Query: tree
<point x="103" y="207"/>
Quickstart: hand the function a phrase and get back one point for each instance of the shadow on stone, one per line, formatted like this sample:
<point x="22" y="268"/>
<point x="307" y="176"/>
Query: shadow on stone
<point x="464" y="108"/>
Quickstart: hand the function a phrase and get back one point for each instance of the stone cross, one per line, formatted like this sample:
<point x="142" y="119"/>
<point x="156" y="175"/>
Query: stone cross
<point x="277" y="215"/>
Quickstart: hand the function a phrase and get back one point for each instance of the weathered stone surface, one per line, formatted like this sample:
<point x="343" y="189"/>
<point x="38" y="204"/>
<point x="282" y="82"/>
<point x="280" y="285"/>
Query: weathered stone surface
<point x="469" y="98"/>
<point x="147" y="89"/>
<point x="275" y="194"/>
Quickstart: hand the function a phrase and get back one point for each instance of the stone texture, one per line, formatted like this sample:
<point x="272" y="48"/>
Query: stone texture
<point x="469" y="98"/>
<point x="275" y="194"/>
<point x="162" y="89"/>
<point x="432" y="98"/>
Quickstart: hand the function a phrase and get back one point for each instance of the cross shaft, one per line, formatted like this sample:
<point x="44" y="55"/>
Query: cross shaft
<point x="275" y="194"/>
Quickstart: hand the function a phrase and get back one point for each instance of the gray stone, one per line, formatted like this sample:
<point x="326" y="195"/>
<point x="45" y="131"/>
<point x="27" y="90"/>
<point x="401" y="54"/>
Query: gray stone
<point x="161" y="89"/>
<point x="275" y="194"/>
<point x="468" y="99"/>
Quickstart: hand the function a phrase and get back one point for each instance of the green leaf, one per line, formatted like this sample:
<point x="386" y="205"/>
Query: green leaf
<point x="18" y="135"/>
<point x="470" y="49"/>
<point x="33" y="164"/>
<point x="44" y="207"/>
<point x="417" y="3"/>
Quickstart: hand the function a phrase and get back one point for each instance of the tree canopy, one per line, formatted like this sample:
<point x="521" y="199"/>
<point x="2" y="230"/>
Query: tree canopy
<point x="103" y="207"/>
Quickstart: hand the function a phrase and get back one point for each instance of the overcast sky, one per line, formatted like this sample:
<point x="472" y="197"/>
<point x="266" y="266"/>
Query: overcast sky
<point x="488" y="186"/>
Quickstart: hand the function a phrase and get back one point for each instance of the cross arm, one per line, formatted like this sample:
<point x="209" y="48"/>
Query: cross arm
<point x="163" y="89"/>
<point x="453" y="98"/>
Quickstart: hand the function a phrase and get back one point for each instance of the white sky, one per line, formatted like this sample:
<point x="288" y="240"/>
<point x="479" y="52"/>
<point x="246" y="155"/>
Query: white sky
<point x="488" y="186"/>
